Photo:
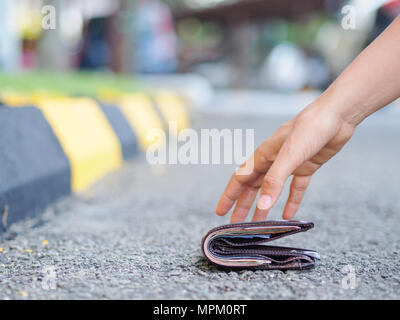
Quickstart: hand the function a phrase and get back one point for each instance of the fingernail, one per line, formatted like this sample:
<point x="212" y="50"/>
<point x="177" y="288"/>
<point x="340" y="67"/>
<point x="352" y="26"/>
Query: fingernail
<point x="264" y="202"/>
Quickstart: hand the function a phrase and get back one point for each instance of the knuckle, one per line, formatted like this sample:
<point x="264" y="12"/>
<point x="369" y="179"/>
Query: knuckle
<point x="241" y="178"/>
<point x="300" y="188"/>
<point x="296" y="200"/>
<point x="229" y="196"/>
<point x="272" y="182"/>
<point x="261" y="156"/>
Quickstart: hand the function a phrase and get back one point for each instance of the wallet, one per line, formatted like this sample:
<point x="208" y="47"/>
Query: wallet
<point x="242" y="246"/>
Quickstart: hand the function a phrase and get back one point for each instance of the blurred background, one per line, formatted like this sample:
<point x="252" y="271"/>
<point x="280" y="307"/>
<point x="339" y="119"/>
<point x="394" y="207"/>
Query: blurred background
<point x="282" y="45"/>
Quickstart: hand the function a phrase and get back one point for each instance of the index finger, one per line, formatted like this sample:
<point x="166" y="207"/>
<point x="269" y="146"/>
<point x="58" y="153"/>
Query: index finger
<point x="230" y="195"/>
<point x="238" y="183"/>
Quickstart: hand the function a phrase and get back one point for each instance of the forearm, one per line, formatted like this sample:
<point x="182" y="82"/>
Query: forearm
<point x="371" y="82"/>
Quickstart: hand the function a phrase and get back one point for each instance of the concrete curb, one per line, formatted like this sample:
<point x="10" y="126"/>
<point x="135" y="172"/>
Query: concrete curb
<point x="34" y="169"/>
<point x="63" y="145"/>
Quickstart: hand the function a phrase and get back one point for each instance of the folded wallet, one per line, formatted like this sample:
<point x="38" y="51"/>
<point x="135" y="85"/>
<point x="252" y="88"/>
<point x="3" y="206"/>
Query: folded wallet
<point x="241" y="246"/>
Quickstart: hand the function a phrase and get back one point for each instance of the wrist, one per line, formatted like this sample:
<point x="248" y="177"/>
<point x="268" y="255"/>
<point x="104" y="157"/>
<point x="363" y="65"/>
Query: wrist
<point x="339" y="102"/>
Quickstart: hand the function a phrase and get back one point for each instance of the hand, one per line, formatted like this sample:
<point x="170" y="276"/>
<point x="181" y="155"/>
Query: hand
<point x="299" y="148"/>
<point x="305" y="143"/>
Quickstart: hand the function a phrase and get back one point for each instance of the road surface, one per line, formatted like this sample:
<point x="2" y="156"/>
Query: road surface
<point x="136" y="234"/>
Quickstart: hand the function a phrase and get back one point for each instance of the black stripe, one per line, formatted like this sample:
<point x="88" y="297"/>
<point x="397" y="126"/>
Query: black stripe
<point x="34" y="170"/>
<point x="122" y="129"/>
<point x="157" y="109"/>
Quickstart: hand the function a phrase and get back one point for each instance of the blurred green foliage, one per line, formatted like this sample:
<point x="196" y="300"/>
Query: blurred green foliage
<point x="92" y="84"/>
<point x="301" y="33"/>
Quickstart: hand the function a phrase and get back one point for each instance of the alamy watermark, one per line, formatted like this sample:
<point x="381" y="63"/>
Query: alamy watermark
<point x="210" y="146"/>
<point x="349" y="280"/>
<point x="44" y="17"/>
<point x="349" y="21"/>
<point x="49" y="19"/>
<point x="49" y="278"/>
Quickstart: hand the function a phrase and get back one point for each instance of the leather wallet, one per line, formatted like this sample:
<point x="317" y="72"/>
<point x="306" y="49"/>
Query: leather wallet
<point x="241" y="246"/>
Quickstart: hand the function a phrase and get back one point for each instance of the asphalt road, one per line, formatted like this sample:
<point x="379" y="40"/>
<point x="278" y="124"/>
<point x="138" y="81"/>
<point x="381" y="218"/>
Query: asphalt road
<point x="136" y="234"/>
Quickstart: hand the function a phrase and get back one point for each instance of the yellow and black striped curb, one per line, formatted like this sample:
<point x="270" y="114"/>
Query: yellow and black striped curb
<point x="64" y="144"/>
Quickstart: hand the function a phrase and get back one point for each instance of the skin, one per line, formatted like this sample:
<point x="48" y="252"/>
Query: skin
<point x="303" y="144"/>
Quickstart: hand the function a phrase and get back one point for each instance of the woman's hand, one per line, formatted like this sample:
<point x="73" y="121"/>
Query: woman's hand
<point x="305" y="143"/>
<point x="299" y="148"/>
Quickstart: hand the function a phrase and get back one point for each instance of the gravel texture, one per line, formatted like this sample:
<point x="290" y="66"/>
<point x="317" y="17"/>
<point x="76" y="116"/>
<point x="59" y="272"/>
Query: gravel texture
<point x="136" y="234"/>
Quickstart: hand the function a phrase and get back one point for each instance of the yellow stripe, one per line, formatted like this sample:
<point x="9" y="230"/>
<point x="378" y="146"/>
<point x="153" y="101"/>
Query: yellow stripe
<point x="86" y="136"/>
<point x="15" y="100"/>
<point x="173" y="109"/>
<point x="139" y="112"/>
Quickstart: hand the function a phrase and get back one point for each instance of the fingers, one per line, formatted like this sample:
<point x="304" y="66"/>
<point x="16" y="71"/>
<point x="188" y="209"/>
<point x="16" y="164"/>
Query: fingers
<point x="298" y="188"/>
<point x="284" y="165"/>
<point x="260" y="162"/>
<point x="270" y="191"/>
<point x="230" y="195"/>
<point x="236" y="186"/>
<point x="244" y="204"/>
